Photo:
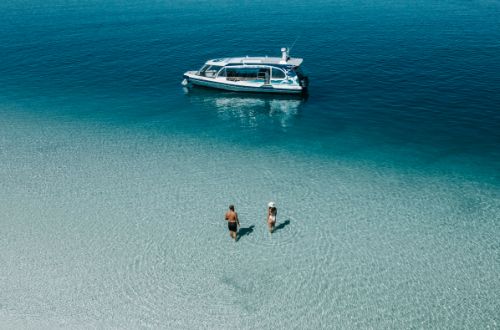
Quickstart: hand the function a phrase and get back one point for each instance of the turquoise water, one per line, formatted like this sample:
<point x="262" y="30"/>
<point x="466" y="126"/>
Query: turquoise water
<point x="115" y="179"/>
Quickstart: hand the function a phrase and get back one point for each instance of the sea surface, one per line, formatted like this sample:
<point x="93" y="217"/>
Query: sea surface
<point x="114" y="179"/>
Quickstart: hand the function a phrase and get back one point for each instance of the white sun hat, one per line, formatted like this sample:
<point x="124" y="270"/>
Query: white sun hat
<point x="271" y="204"/>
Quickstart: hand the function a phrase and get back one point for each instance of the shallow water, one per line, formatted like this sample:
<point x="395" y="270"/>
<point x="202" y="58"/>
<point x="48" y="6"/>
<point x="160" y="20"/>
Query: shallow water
<point x="115" y="179"/>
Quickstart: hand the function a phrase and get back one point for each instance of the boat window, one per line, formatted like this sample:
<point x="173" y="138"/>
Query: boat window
<point x="277" y="74"/>
<point x="211" y="71"/>
<point x="245" y="73"/>
<point x="203" y="69"/>
<point x="222" y="73"/>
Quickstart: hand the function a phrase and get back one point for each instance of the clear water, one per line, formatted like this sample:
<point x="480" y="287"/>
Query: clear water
<point x="114" y="180"/>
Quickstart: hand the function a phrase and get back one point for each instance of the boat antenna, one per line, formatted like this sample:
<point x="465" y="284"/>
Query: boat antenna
<point x="290" y="49"/>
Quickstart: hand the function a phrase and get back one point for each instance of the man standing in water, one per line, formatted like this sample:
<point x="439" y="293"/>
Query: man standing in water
<point x="232" y="222"/>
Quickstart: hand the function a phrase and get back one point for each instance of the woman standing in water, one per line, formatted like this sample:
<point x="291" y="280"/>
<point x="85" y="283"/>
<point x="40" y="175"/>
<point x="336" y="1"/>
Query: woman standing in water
<point x="272" y="211"/>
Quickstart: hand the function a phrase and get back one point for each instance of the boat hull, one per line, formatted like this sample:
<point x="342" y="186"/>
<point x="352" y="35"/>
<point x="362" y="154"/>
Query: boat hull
<point x="242" y="88"/>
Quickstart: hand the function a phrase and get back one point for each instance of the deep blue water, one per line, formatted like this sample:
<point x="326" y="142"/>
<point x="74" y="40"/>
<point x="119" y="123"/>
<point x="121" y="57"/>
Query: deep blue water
<point x="389" y="171"/>
<point x="423" y="76"/>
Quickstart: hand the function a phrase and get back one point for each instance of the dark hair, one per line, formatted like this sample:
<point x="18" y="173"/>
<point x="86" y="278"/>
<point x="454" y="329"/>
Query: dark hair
<point x="231" y="207"/>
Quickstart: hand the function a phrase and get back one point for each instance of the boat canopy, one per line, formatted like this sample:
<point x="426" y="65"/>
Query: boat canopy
<point x="275" y="61"/>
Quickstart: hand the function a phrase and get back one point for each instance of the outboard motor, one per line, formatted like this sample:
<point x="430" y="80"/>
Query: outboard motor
<point x="304" y="81"/>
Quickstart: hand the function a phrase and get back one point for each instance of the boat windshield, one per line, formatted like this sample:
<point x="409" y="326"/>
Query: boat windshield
<point x="209" y="70"/>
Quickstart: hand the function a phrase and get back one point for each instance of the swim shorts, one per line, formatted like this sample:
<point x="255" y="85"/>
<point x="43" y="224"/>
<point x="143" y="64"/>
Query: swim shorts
<point x="232" y="226"/>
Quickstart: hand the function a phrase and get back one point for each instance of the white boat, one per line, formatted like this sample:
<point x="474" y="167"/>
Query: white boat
<point x="251" y="74"/>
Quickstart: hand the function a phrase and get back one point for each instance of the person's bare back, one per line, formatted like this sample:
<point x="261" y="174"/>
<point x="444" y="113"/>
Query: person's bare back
<point x="231" y="216"/>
